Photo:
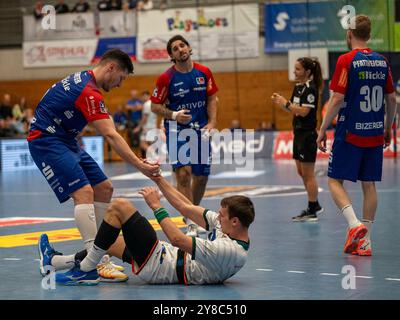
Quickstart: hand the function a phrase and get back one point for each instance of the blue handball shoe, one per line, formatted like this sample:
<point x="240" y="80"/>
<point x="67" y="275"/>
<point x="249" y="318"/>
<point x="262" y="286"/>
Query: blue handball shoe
<point x="46" y="253"/>
<point x="76" y="276"/>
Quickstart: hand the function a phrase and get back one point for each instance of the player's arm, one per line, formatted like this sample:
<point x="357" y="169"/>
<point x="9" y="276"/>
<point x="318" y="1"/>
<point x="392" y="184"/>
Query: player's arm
<point x="181" y="116"/>
<point x="180" y="202"/>
<point x="107" y="129"/>
<point x="212" y="103"/>
<point x="173" y="233"/>
<point x="335" y="103"/>
<point x="391" y="106"/>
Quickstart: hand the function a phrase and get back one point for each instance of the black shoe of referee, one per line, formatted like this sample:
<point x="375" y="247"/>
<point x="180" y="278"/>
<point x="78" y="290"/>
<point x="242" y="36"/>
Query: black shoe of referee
<point x="308" y="215"/>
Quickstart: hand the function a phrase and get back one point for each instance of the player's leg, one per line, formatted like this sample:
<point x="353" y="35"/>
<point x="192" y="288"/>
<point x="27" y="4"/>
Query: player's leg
<point x="339" y="169"/>
<point x="139" y="236"/>
<point x="59" y="163"/>
<point x="199" y="184"/>
<point x="371" y="171"/>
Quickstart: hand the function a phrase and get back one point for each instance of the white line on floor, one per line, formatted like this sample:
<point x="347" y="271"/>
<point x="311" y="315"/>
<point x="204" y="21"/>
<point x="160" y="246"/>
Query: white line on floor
<point x="364" y="277"/>
<point x="392" y="279"/>
<point x="12" y="259"/>
<point x="265" y="269"/>
<point x="295" y="271"/>
<point x="328" y="274"/>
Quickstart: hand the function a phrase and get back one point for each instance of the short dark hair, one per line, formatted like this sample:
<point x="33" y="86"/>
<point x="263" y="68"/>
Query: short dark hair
<point x="173" y="39"/>
<point x="363" y="27"/>
<point x="240" y="207"/>
<point x="123" y="59"/>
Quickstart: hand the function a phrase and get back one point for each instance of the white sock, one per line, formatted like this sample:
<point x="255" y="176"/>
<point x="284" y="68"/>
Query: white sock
<point x="92" y="259"/>
<point x="63" y="262"/>
<point x="350" y="216"/>
<point x="368" y="224"/>
<point x="86" y="223"/>
<point x="100" y="209"/>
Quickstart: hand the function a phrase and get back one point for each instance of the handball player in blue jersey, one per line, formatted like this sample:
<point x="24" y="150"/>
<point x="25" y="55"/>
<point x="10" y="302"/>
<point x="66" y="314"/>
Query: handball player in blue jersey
<point x="363" y="92"/>
<point x="62" y="113"/>
<point x="185" y="96"/>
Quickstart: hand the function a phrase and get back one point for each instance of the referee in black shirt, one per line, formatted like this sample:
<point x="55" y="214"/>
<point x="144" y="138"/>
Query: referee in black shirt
<point x="303" y="105"/>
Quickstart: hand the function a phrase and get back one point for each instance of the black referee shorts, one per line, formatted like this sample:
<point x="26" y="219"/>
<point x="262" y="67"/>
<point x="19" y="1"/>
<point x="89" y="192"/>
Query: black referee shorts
<point x="305" y="145"/>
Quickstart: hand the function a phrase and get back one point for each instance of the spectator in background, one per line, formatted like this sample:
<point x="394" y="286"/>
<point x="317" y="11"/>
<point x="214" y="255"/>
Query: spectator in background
<point x="116" y="4"/>
<point x="235" y="124"/>
<point x="5" y="108"/>
<point x="149" y="122"/>
<point x="132" y="4"/>
<point x="81" y="6"/>
<point x="164" y="4"/>
<point x="61" y="7"/>
<point x="120" y="118"/>
<point x="134" y="107"/>
<point x="145" y="5"/>
<point x="37" y="10"/>
<point x="28" y="117"/>
<point x="266" y="126"/>
<point x="104" y="5"/>
<point x="18" y="109"/>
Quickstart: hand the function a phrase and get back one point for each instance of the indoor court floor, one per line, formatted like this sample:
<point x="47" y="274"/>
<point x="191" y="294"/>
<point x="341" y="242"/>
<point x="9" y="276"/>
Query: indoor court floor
<point x="286" y="260"/>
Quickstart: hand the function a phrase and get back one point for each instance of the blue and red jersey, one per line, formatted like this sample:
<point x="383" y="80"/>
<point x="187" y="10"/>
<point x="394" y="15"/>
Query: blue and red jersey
<point x="364" y="77"/>
<point x="67" y="107"/>
<point x="188" y="91"/>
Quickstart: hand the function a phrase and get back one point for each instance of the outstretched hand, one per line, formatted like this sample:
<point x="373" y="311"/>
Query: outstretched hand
<point x="150" y="169"/>
<point x="152" y="197"/>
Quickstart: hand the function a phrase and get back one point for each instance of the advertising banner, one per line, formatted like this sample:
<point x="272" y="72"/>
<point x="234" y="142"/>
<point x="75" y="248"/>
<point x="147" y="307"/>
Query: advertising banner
<point x="59" y="53"/>
<point x="221" y="32"/>
<point x="322" y="24"/>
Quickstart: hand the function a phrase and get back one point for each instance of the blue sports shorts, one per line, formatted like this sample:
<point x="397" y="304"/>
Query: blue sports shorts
<point x="349" y="162"/>
<point x="65" y="165"/>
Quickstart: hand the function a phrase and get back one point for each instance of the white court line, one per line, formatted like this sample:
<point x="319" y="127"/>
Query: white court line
<point x="364" y="277"/>
<point x="295" y="271"/>
<point x="328" y="274"/>
<point x="12" y="259"/>
<point x="392" y="279"/>
<point x="265" y="269"/>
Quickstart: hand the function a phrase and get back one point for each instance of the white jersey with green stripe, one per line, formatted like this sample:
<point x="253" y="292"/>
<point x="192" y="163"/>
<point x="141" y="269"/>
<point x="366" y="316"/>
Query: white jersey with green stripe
<point x="217" y="258"/>
<point x="213" y="260"/>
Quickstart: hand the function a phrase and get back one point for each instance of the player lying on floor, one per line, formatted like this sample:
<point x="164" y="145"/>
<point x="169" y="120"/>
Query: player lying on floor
<point x="186" y="260"/>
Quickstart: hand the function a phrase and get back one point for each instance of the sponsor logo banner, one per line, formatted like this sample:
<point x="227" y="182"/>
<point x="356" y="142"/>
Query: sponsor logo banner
<point x="59" y="53"/>
<point x="321" y="24"/>
<point x="15" y="155"/>
<point x="283" y="146"/>
<point x="128" y="45"/>
<point x="220" y="32"/>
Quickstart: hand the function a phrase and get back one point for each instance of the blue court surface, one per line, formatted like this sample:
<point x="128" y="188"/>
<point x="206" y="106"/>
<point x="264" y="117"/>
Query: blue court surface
<point x="286" y="260"/>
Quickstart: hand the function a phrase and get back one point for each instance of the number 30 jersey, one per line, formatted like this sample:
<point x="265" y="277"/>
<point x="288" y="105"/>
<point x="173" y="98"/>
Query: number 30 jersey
<point x="364" y="77"/>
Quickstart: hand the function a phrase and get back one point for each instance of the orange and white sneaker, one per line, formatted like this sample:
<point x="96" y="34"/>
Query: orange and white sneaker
<point x="108" y="272"/>
<point x="353" y="237"/>
<point x="364" y="248"/>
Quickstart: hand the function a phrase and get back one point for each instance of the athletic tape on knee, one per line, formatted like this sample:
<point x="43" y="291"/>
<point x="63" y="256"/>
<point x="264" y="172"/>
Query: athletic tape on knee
<point x="100" y="209"/>
<point x="86" y="222"/>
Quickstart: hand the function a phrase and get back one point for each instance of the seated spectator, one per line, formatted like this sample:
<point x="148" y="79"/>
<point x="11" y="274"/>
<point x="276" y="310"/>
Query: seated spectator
<point x="28" y="117"/>
<point x="61" y="7"/>
<point x="132" y="4"/>
<point x="144" y="5"/>
<point x="134" y="107"/>
<point x="81" y="6"/>
<point x="235" y="125"/>
<point x="266" y="126"/>
<point x="6" y="129"/>
<point x="116" y="4"/>
<point x="164" y="5"/>
<point x="5" y="108"/>
<point x="37" y="10"/>
<point x="120" y="118"/>
<point x="104" y="5"/>
<point x="18" y="109"/>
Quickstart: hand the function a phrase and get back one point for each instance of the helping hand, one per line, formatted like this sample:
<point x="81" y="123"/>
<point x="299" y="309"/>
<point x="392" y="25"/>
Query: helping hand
<point x="152" y="197"/>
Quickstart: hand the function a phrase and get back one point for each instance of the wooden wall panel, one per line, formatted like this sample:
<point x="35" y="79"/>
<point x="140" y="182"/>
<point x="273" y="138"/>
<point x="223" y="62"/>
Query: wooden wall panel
<point x="244" y="96"/>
